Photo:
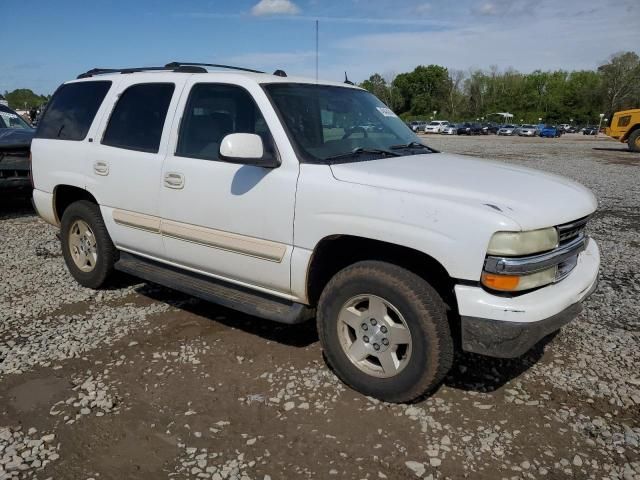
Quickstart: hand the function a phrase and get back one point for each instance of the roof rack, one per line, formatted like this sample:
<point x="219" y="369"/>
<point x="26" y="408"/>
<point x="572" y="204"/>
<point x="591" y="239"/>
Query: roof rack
<point x="216" y="65"/>
<point x="186" y="67"/>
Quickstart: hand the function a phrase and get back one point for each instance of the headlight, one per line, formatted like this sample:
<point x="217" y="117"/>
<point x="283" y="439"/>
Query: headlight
<point x="515" y="283"/>
<point x="512" y="244"/>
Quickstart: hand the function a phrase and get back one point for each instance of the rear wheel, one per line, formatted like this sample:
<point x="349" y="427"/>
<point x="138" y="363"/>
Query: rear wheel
<point x="86" y="245"/>
<point x="634" y="141"/>
<point x="384" y="331"/>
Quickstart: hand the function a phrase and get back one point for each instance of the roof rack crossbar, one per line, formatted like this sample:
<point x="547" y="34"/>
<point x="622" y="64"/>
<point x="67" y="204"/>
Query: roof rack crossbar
<point x="216" y="65"/>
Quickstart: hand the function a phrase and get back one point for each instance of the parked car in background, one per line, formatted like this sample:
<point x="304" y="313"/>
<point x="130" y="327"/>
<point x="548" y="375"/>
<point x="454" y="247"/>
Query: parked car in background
<point x="528" y="131"/>
<point x="492" y="127"/>
<point x="551" y="131"/>
<point x="435" y="126"/>
<point x="589" y="130"/>
<point x="507" y="130"/>
<point x="15" y="141"/>
<point x="417" y="125"/>
<point x="564" y="127"/>
<point x="468" y="128"/>
<point x="625" y="126"/>
<point x="450" y="129"/>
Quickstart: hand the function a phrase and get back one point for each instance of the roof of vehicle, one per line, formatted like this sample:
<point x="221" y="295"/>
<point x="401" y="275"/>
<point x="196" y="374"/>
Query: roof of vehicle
<point x="229" y="74"/>
<point x="627" y="112"/>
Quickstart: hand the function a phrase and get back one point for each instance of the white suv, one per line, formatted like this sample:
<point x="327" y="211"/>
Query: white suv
<point x="266" y="194"/>
<point x="436" y="126"/>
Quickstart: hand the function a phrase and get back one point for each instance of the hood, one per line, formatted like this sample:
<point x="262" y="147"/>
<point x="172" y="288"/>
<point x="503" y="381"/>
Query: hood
<point x="13" y="138"/>
<point x="531" y="198"/>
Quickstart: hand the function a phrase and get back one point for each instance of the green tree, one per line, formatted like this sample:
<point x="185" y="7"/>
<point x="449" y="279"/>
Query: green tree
<point x="23" y="98"/>
<point x="621" y="82"/>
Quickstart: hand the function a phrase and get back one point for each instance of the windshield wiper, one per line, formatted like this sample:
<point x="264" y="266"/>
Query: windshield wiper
<point x="413" y="144"/>
<point x="359" y="150"/>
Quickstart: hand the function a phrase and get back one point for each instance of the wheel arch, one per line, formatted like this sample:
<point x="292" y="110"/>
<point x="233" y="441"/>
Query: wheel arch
<point x="335" y="252"/>
<point x="64" y="195"/>
<point x="630" y="131"/>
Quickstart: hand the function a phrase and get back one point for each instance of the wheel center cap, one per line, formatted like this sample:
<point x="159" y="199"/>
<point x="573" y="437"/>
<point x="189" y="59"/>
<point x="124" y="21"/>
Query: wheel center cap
<point x="375" y="336"/>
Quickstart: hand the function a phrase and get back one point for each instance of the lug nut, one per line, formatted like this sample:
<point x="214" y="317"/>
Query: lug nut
<point x="376" y="346"/>
<point x="374" y="321"/>
<point x="365" y="326"/>
<point x="383" y="329"/>
<point x="365" y="339"/>
<point x="385" y="342"/>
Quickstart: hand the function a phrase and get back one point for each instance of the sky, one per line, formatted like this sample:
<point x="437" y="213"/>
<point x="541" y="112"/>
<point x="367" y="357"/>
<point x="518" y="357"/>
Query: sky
<point x="48" y="42"/>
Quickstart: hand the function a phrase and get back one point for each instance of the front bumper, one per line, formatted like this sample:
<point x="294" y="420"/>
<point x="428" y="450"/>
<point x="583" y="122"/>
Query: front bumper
<point x="507" y="327"/>
<point x="14" y="172"/>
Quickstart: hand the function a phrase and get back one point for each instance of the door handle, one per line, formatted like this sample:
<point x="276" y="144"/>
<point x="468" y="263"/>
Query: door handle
<point x="174" y="180"/>
<point x="101" y="168"/>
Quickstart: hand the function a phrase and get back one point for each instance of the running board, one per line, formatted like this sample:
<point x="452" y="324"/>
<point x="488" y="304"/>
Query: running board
<point x="213" y="290"/>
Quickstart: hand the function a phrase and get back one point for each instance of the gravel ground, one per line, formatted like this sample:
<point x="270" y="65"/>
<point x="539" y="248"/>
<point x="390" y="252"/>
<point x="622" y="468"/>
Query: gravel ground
<point x="139" y="382"/>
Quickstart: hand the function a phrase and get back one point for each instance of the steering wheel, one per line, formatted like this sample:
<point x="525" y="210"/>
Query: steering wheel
<point x="348" y="133"/>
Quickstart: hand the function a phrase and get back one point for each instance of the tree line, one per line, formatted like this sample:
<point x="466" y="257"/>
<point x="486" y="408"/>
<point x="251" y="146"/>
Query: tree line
<point x="555" y="96"/>
<point x="25" y="99"/>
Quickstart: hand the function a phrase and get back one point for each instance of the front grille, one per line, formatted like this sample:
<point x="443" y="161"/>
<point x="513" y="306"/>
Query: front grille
<point x="570" y="231"/>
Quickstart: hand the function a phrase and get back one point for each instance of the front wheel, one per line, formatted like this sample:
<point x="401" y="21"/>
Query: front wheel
<point x="86" y="245"/>
<point x="634" y="141"/>
<point x="384" y="331"/>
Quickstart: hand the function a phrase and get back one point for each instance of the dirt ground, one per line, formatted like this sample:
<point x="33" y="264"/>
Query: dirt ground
<point x="139" y="382"/>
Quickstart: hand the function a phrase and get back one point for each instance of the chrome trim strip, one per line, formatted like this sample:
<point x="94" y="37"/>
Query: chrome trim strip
<point x="534" y="263"/>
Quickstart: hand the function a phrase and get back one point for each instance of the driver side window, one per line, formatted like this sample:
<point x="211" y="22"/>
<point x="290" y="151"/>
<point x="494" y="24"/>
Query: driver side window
<point x="214" y="111"/>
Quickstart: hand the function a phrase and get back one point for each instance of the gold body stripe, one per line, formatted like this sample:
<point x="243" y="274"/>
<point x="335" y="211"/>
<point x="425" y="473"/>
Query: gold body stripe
<point x="233" y="242"/>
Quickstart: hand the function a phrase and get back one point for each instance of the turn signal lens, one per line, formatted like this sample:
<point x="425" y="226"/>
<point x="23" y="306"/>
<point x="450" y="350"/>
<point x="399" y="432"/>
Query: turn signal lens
<point x="515" y="283"/>
<point x="504" y="283"/>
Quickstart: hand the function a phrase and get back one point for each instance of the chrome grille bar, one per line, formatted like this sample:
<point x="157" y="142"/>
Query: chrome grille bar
<point x="535" y="263"/>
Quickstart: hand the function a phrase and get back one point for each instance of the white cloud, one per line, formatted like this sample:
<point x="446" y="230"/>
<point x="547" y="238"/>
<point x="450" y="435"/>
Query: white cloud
<point x="275" y="7"/>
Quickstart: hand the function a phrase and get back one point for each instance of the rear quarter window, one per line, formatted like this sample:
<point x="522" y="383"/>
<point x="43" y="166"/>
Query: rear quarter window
<point x="72" y="110"/>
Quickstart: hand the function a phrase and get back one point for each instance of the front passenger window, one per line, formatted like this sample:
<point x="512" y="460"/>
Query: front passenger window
<point x="214" y="111"/>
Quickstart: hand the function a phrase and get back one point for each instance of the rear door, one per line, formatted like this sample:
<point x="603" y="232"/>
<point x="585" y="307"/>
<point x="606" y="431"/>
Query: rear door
<point x="125" y="168"/>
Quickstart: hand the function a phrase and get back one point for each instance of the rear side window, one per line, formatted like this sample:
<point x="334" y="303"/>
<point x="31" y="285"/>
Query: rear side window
<point x="137" y="120"/>
<point x="72" y="110"/>
<point x="624" y="121"/>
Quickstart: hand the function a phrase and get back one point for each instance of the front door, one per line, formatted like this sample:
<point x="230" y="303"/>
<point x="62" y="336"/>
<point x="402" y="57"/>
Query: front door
<point x="228" y="220"/>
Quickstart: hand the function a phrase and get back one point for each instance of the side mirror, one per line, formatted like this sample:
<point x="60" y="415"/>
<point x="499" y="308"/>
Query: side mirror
<point x="247" y="149"/>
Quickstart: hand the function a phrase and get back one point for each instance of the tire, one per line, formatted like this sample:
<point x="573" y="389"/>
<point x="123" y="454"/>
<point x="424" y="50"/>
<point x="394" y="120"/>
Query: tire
<point x="92" y="268"/>
<point x="424" y="352"/>
<point x="634" y="141"/>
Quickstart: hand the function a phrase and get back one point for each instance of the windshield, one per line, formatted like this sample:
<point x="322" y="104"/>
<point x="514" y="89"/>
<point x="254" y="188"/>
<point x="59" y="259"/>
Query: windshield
<point x="10" y="119"/>
<point x="327" y="121"/>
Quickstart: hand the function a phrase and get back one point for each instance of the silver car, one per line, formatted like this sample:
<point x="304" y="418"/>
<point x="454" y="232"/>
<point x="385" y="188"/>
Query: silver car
<point x="507" y="130"/>
<point x="449" y="129"/>
<point x="528" y="131"/>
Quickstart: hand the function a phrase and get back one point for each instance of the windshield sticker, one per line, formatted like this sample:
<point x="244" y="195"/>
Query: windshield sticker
<point x="8" y="115"/>
<point x="386" y="111"/>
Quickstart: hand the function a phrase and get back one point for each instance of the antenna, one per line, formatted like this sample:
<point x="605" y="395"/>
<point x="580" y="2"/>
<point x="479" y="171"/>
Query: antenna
<point x="317" y="28"/>
<point x="346" y="79"/>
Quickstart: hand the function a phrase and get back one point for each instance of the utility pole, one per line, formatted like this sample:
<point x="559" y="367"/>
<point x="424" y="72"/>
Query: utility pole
<point x="317" y="51"/>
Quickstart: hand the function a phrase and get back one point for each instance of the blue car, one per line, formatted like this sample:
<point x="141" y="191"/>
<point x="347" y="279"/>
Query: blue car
<point x="550" y="131"/>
